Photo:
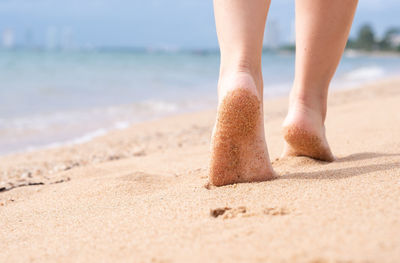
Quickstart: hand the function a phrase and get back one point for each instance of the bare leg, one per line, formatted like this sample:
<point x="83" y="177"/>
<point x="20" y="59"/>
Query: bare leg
<point x="239" y="151"/>
<point x="322" y="29"/>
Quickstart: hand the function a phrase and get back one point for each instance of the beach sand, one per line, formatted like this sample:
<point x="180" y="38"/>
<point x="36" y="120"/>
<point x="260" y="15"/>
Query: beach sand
<point x="141" y="194"/>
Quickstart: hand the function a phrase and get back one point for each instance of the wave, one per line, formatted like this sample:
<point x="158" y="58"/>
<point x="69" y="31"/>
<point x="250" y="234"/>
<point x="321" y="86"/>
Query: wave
<point x="132" y="112"/>
<point x="365" y="73"/>
<point x="76" y="127"/>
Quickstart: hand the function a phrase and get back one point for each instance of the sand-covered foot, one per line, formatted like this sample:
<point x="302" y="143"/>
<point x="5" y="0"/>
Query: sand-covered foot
<point x="304" y="134"/>
<point x="238" y="151"/>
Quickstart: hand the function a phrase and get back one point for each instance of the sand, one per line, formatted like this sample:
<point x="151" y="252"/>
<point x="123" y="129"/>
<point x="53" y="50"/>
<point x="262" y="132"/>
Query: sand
<point x="139" y="195"/>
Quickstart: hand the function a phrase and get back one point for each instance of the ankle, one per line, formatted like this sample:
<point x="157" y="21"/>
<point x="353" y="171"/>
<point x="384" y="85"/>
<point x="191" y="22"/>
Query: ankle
<point x="240" y="64"/>
<point x="240" y="78"/>
<point x="308" y="103"/>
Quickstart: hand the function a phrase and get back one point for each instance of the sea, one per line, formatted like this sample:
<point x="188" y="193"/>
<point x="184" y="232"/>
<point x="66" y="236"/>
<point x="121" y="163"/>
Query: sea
<point x="53" y="98"/>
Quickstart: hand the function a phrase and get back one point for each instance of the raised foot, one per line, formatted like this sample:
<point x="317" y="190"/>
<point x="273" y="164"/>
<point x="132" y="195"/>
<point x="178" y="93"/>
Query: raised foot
<point x="304" y="138"/>
<point x="239" y="152"/>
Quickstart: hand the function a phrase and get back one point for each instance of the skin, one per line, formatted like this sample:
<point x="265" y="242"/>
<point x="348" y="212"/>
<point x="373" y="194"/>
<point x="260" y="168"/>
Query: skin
<point x="240" y="157"/>
<point x="322" y="30"/>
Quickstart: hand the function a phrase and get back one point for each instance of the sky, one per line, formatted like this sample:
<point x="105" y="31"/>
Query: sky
<point x="151" y="23"/>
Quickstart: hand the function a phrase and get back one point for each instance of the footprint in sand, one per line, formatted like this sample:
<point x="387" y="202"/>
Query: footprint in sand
<point x="227" y="212"/>
<point x="144" y="183"/>
<point x="242" y="211"/>
<point x="276" y="211"/>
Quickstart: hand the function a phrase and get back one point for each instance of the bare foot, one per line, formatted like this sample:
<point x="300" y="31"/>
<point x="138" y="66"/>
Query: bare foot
<point x="239" y="151"/>
<point x="304" y="134"/>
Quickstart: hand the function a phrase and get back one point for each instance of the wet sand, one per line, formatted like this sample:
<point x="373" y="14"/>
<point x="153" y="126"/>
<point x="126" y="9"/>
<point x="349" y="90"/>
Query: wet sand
<point x="139" y="195"/>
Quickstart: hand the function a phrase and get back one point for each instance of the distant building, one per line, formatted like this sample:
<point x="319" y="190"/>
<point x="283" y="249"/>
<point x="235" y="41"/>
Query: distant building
<point x="29" y="38"/>
<point x="292" y="39"/>
<point x="272" y="34"/>
<point x="66" y="40"/>
<point x="8" y="38"/>
<point x="394" y="40"/>
<point x="51" y="38"/>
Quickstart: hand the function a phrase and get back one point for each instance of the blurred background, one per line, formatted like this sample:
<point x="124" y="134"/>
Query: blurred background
<point x="73" y="70"/>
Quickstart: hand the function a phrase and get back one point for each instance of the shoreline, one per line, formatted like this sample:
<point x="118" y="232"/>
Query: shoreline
<point x="279" y="104"/>
<point x="90" y="135"/>
<point x="53" y="113"/>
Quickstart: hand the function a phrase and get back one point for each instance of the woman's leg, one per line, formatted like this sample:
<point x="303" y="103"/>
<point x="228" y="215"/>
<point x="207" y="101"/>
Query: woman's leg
<point x="238" y="151"/>
<point x="322" y="29"/>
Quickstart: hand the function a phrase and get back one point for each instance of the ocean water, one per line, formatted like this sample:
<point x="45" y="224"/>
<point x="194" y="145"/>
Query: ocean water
<point x="53" y="98"/>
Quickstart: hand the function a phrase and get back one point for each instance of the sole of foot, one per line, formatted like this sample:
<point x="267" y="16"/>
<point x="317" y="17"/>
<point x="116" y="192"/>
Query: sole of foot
<point x="238" y="151"/>
<point x="303" y="137"/>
